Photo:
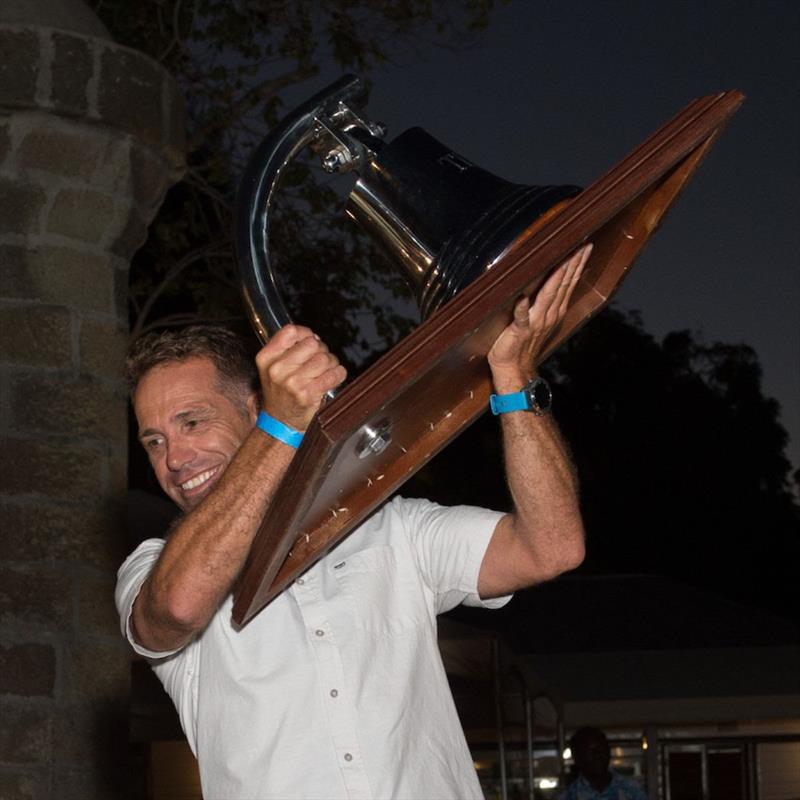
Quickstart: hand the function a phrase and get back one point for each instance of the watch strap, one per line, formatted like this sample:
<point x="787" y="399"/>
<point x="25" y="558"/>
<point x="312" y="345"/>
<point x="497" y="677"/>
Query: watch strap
<point x="503" y="403"/>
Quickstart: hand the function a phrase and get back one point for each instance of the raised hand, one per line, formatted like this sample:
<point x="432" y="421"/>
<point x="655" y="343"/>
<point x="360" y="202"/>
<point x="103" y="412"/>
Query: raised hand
<point x="296" y="370"/>
<point x="514" y="355"/>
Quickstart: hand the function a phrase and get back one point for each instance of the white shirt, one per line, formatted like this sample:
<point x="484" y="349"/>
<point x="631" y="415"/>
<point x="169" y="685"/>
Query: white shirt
<point x="336" y="689"/>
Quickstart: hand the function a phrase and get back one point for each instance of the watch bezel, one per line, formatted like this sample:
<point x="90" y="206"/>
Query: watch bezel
<point x="538" y="408"/>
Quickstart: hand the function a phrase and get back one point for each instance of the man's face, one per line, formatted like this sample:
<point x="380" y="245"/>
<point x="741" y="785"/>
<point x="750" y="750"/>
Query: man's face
<point x="592" y="756"/>
<point x="189" y="428"/>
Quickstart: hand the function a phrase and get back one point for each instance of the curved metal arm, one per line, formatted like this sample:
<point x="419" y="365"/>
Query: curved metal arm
<point x="251" y="215"/>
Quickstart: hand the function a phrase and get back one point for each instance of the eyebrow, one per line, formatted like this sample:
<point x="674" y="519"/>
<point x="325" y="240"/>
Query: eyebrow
<point x="181" y="416"/>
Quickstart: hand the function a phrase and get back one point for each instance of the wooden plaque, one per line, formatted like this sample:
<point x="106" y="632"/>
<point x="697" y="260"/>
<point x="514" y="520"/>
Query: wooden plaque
<point x="436" y="381"/>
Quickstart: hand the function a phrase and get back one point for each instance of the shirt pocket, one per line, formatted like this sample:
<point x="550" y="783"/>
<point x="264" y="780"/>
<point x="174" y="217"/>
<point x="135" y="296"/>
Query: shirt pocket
<point x="384" y="591"/>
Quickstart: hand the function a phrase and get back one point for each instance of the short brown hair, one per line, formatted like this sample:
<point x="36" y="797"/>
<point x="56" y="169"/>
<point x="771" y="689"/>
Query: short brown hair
<point x="226" y="350"/>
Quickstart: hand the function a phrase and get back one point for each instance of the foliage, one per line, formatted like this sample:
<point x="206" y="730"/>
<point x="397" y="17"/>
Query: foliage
<point x="236" y="60"/>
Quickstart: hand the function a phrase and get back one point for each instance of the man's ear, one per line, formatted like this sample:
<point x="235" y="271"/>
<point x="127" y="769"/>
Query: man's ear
<point x="253" y="406"/>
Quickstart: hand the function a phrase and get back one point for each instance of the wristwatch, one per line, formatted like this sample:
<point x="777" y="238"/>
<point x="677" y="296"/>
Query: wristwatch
<point x="536" y="397"/>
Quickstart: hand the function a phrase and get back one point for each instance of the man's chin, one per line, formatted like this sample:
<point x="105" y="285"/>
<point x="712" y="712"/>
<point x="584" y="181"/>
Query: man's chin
<point x="187" y="504"/>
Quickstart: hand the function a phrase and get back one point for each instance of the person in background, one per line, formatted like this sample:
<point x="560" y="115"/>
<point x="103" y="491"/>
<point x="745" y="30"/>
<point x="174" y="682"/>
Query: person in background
<point x="594" y="779"/>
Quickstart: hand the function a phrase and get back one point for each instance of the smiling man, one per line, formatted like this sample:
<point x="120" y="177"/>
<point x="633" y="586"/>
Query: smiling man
<point x="336" y="689"/>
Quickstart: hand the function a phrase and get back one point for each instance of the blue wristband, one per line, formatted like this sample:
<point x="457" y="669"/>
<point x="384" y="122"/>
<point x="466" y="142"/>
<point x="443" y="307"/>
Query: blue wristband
<point x="503" y="403"/>
<point x="278" y="430"/>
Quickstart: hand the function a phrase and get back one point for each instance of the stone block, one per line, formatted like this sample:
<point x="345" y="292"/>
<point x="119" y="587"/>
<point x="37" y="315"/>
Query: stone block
<point x="102" y="349"/>
<point x="5" y="141"/>
<point x="175" y="144"/>
<point x="89" y="535"/>
<point x="62" y="404"/>
<point x="149" y="178"/>
<point x="72" y="70"/>
<point x="98" y="674"/>
<point x="131" y="236"/>
<point x="35" y="597"/>
<point x="27" y="670"/>
<point x="92" y="733"/>
<point x="129" y="94"/>
<point x="97" y="613"/>
<point x="19" y="68"/>
<point x="109" y="783"/>
<point x="24" y="734"/>
<point x="21" y="206"/>
<point x="58" y="470"/>
<point x="22" y="787"/>
<point x="118" y="471"/>
<point x="81" y="214"/>
<point x="70" y="152"/>
<point x="59" y="275"/>
<point x="121" y="290"/>
<point x="36" y="336"/>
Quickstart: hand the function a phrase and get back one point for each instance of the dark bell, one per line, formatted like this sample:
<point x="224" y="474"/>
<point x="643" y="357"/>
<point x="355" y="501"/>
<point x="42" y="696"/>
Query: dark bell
<point x="443" y="219"/>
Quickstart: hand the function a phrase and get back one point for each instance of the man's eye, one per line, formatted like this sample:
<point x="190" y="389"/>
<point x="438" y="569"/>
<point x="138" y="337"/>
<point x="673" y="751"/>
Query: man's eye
<point x="153" y="444"/>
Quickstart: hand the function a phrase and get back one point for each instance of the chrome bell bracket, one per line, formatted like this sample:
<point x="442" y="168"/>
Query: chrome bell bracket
<point x="328" y="124"/>
<point x="345" y="140"/>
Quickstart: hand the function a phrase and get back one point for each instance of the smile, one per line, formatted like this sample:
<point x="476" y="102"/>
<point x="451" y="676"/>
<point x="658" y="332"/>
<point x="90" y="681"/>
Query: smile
<point x="198" y="480"/>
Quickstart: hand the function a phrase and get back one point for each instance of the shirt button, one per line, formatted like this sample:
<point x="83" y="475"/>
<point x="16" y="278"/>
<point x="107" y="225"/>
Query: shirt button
<point x="319" y="632"/>
<point x="300" y="581"/>
<point x="334" y="692"/>
<point x="348" y="757"/>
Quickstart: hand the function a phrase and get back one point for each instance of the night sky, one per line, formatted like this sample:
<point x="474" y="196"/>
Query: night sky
<point x="559" y="92"/>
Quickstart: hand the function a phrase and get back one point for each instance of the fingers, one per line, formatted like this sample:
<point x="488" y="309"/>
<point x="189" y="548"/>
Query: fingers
<point x="297" y="370"/>
<point x="286" y="338"/>
<point x="552" y="300"/>
<point x="522" y="313"/>
<point x="580" y="258"/>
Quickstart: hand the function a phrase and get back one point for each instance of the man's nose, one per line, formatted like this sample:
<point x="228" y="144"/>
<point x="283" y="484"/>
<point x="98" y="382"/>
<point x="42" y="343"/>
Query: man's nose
<point x="179" y="453"/>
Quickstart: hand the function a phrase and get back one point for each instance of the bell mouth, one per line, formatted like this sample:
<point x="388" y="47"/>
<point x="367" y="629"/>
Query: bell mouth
<point x="443" y="220"/>
<point x="465" y="257"/>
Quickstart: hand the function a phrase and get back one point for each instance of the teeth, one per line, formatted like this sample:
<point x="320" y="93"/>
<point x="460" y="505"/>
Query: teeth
<point x="198" y="480"/>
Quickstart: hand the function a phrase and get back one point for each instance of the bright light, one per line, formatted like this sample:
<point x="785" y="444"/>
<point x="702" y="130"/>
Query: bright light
<point x="547" y="783"/>
<point x="645" y="745"/>
<point x="567" y="753"/>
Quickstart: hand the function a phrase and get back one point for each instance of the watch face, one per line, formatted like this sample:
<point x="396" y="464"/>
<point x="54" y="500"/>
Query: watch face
<point x="539" y="395"/>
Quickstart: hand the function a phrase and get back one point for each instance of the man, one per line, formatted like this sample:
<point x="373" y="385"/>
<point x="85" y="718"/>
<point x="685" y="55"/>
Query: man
<point x="595" y="781"/>
<point x="336" y="689"/>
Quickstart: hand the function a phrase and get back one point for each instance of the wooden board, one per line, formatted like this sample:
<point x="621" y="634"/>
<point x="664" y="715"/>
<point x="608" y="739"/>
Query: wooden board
<point x="436" y="381"/>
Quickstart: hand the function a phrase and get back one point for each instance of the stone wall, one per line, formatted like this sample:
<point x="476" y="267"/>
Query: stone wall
<point x="91" y="136"/>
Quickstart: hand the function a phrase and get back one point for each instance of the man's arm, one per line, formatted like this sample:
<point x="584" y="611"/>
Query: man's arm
<point x="207" y="549"/>
<point x="544" y="535"/>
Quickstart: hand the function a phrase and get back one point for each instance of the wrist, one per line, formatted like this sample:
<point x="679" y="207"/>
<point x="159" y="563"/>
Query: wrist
<point x="279" y="430"/>
<point x="535" y="397"/>
<point x="515" y="380"/>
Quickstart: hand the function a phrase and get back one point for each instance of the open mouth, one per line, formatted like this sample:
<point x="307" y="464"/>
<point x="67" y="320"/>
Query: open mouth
<point x="199" y="480"/>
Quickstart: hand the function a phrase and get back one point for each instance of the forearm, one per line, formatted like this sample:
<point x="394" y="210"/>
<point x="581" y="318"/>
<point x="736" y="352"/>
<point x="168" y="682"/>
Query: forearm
<point x="543" y="484"/>
<point x="207" y="549"/>
<point x="543" y="536"/>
